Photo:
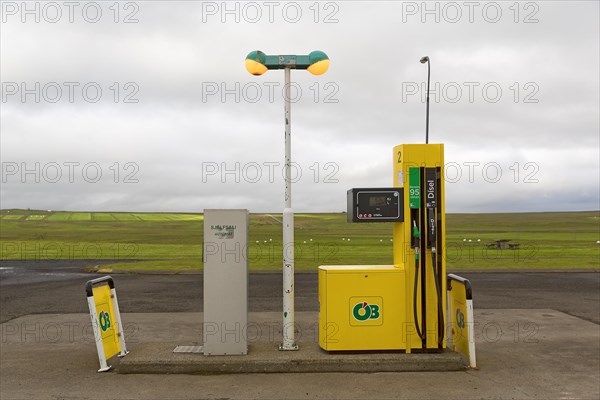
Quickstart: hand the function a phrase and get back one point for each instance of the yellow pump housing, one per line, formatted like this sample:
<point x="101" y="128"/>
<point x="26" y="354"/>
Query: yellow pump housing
<point x="373" y="307"/>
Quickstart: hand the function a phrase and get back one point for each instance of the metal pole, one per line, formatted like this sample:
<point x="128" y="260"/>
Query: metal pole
<point x="427" y="116"/>
<point x="289" y="342"/>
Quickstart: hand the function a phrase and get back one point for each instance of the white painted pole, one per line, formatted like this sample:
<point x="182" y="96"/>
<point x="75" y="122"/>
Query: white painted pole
<point x="289" y="342"/>
<point x="97" y="336"/>
<point x="120" y="330"/>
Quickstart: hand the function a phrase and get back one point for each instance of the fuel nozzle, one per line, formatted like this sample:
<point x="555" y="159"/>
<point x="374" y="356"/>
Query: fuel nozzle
<point x="416" y="233"/>
<point x="432" y="226"/>
<point x="417" y="237"/>
<point x="432" y="229"/>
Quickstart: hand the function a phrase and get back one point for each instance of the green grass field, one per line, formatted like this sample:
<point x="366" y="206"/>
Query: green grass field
<point x="173" y="242"/>
<point x="9" y="217"/>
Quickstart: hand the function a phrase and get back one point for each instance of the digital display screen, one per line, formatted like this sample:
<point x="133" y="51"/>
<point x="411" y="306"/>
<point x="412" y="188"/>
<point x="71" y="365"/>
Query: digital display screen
<point x="377" y="201"/>
<point x="375" y="205"/>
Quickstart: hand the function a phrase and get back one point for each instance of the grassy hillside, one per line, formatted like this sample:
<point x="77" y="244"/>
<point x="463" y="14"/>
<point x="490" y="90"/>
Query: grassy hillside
<point x="171" y="241"/>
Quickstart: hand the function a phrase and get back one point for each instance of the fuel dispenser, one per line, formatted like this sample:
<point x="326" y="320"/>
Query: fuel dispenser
<point x="400" y="306"/>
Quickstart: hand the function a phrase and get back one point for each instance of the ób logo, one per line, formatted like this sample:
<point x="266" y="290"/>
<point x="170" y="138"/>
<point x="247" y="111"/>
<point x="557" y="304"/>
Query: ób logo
<point x="104" y="319"/>
<point x="364" y="311"/>
<point x="460" y="318"/>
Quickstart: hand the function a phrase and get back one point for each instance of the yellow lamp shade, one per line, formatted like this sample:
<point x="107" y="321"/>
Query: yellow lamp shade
<point x="255" y="68"/>
<point x="319" y="62"/>
<point x="319" y="68"/>
<point x="255" y="62"/>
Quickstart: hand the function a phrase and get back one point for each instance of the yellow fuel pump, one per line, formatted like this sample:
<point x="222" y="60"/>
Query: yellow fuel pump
<point x="400" y="306"/>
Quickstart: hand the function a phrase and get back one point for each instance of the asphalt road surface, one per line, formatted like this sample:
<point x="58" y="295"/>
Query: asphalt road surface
<point x="41" y="287"/>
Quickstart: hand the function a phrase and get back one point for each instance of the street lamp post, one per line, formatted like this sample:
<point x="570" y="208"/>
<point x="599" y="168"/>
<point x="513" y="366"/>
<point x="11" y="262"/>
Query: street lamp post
<point x="317" y="63"/>
<point x="428" y="61"/>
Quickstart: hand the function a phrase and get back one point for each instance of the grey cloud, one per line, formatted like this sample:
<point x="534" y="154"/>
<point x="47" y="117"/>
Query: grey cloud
<point x="177" y="126"/>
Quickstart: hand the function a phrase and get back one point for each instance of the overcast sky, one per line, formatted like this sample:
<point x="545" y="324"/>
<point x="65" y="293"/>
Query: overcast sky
<point x="147" y="106"/>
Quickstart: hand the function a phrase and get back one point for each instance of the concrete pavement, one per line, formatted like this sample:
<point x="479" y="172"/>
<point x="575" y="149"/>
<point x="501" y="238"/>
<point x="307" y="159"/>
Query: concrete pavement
<point x="537" y="336"/>
<point x="522" y="354"/>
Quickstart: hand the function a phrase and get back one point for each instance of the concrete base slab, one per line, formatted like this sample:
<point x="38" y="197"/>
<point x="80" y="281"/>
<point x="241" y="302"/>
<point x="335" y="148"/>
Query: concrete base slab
<point x="155" y="355"/>
<point x="153" y="358"/>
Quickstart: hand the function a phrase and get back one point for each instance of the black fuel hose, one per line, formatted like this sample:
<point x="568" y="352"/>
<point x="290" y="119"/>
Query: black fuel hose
<point x="433" y="239"/>
<point x="415" y="316"/>
<point x="441" y="323"/>
<point x="416" y="235"/>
